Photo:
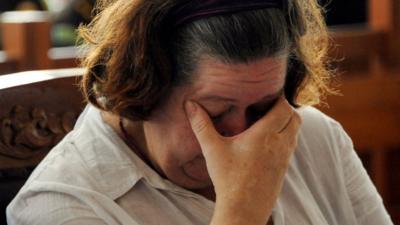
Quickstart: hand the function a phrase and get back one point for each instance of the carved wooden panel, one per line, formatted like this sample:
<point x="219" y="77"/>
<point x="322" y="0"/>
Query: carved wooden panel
<point x="34" y="118"/>
<point x="25" y="132"/>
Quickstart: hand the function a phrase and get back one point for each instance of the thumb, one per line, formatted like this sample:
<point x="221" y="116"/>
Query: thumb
<point x="201" y="124"/>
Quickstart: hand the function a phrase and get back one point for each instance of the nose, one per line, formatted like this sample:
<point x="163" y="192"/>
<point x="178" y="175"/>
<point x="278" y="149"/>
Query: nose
<point x="232" y="126"/>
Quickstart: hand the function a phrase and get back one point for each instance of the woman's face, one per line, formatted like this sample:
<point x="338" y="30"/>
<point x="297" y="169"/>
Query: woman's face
<point x="234" y="95"/>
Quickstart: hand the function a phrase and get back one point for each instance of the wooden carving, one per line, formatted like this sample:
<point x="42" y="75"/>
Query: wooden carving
<point x="27" y="132"/>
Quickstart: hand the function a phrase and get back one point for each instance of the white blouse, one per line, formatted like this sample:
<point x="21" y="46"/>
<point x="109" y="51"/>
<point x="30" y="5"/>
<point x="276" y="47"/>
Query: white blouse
<point x="92" y="177"/>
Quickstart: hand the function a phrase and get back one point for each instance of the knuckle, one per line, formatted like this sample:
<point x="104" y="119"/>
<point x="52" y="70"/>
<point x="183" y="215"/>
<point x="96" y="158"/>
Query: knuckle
<point x="297" y="119"/>
<point x="297" y="116"/>
<point x="286" y="106"/>
<point x="200" y="125"/>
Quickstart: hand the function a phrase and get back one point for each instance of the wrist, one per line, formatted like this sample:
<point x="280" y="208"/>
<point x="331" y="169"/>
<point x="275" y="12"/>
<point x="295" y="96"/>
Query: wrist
<point x="239" y="211"/>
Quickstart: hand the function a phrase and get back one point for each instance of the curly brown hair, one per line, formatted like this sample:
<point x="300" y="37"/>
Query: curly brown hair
<point x="134" y="56"/>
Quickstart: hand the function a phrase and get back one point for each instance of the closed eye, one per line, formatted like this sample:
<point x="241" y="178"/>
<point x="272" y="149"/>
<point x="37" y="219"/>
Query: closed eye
<point x="254" y="113"/>
<point x="219" y="116"/>
<point x="216" y="118"/>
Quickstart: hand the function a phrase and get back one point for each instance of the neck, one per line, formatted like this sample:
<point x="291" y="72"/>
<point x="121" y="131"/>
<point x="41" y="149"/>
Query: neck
<point x="130" y="132"/>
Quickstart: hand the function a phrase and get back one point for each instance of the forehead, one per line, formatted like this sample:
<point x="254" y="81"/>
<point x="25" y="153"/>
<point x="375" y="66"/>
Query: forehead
<point x="266" y="75"/>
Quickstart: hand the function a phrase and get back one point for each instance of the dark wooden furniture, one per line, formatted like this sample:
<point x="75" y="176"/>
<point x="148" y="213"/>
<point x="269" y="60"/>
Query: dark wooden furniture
<point x="37" y="109"/>
<point x="27" y="44"/>
<point x="7" y="65"/>
<point x="369" y="108"/>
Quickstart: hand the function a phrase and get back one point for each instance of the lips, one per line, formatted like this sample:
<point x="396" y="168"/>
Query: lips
<point x="197" y="169"/>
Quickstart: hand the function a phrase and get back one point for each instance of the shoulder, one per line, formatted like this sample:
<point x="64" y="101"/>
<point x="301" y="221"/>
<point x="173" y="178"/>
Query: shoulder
<point x="322" y="137"/>
<point x="314" y="118"/>
<point x="317" y="125"/>
<point x="31" y="208"/>
<point x="88" y="161"/>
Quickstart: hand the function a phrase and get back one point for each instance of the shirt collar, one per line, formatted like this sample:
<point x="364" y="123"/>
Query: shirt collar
<point x="119" y="160"/>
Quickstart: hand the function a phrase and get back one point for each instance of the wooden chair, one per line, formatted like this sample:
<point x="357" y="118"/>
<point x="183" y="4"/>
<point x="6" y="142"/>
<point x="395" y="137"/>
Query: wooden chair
<point x="37" y="109"/>
<point x="27" y="43"/>
<point x="370" y="84"/>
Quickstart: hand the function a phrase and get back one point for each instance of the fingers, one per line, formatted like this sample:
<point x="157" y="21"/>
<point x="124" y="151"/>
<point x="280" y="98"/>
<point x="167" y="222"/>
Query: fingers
<point x="201" y="124"/>
<point x="293" y="125"/>
<point x="276" y="119"/>
<point x="288" y="122"/>
<point x="291" y="129"/>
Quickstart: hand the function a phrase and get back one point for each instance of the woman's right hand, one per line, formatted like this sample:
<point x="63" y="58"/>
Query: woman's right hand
<point x="247" y="170"/>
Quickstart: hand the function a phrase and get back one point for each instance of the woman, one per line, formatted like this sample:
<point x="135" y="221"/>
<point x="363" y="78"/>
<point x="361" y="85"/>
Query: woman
<point x="194" y="117"/>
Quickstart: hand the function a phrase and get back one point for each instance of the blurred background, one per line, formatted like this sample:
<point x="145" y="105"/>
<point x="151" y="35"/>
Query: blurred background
<point x="365" y="37"/>
<point x="65" y="15"/>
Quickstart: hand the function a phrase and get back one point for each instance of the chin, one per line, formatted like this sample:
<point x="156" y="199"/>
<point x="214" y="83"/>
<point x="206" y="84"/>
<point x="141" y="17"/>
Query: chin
<point x="190" y="183"/>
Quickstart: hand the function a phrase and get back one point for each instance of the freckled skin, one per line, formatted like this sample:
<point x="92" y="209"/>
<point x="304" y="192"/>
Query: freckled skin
<point x="169" y="141"/>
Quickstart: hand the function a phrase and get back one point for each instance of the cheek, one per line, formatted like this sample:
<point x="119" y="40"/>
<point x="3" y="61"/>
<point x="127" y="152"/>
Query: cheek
<point x="184" y="145"/>
<point x="171" y="142"/>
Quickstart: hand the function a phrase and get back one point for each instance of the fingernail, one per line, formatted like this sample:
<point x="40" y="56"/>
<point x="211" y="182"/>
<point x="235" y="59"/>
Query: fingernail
<point x="190" y="108"/>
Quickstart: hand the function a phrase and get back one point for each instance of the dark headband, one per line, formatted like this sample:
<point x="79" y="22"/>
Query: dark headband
<point x="198" y="9"/>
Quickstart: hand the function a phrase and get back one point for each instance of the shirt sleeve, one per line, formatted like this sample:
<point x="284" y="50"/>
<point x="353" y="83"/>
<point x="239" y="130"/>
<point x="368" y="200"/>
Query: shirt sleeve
<point x="365" y="199"/>
<point x="50" y="208"/>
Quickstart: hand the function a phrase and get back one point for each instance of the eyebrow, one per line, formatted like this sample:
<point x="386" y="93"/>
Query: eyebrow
<point x="216" y="98"/>
<point x="231" y="100"/>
